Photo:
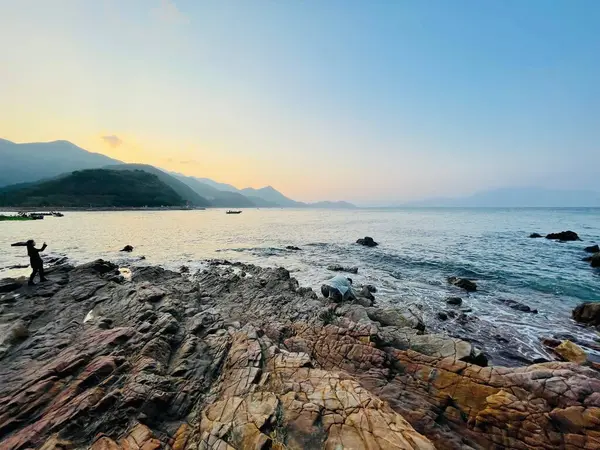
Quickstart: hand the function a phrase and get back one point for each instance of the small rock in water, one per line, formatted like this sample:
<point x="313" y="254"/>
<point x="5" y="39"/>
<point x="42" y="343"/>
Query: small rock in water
<point x="371" y="288"/>
<point x="184" y="269"/>
<point x="442" y="315"/>
<point x="535" y="235"/>
<point x="127" y="248"/>
<point x="293" y="248"/>
<point x="592" y="249"/>
<point x="367" y="241"/>
<point x="339" y="268"/>
<point x="564" y="236"/>
<point x="463" y="283"/>
<point x="595" y="260"/>
<point x="456" y="301"/>
<point x="518" y="306"/>
<point x="587" y="313"/>
<point x="365" y="292"/>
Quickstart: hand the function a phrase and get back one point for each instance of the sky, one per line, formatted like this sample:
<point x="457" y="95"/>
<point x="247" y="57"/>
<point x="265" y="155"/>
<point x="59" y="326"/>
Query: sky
<point x="366" y="101"/>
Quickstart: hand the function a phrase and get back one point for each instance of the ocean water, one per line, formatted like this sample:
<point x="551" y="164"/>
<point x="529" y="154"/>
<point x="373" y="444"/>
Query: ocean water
<point x="418" y="249"/>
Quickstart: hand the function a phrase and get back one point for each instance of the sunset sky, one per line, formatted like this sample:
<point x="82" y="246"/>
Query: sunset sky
<point x="367" y="101"/>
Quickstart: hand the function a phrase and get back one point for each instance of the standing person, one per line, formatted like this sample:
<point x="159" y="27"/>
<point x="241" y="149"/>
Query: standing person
<point x="37" y="265"/>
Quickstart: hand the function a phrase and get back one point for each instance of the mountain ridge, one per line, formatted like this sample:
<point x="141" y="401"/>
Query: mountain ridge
<point x="42" y="161"/>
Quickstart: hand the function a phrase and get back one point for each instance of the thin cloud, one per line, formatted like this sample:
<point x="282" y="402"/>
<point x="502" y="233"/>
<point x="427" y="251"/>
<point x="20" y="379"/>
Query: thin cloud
<point x="169" y="13"/>
<point x="113" y="141"/>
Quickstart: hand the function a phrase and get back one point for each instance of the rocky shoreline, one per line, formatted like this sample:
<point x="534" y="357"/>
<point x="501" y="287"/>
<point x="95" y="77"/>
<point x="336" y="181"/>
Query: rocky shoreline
<point x="241" y="357"/>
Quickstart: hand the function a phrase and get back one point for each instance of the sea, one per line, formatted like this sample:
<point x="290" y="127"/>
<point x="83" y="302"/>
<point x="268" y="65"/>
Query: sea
<point x="418" y="249"/>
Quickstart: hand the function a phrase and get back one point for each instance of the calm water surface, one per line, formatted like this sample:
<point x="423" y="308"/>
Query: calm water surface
<point x="418" y="249"/>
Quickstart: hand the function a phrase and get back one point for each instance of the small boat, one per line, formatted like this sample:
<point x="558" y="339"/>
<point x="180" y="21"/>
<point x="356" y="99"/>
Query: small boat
<point x="233" y="212"/>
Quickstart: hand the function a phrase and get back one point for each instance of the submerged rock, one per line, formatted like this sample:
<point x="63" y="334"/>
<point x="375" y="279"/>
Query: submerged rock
<point x="454" y="301"/>
<point x="592" y="249"/>
<point x="463" y="283"/>
<point x="293" y="248"/>
<point x="587" y="313"/>
<point x="535" y="235"/>
<point x="339" y="268"/>
<point x="367" y="242"/>
<point x="564" y="236"/>
<point x="518" y="306"/>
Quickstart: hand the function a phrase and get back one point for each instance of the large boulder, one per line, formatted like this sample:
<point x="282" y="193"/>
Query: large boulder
<point x="587" y="313"/>
<point x="367" y="242"/>
<point x="564" y="236"/>
<point x="463" y="283"/>
<point x="592" y="249"/>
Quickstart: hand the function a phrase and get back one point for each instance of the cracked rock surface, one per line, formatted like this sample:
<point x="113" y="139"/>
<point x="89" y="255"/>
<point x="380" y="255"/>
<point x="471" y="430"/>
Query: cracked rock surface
<point x="240" y="357"/>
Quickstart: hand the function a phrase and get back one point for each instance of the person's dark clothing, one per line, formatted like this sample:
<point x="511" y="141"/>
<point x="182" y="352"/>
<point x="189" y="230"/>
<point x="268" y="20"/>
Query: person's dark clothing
<point x="36" y="262"/>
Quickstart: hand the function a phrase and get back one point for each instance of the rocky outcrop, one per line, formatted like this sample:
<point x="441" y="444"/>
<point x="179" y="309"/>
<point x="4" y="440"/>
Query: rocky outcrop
<point x="340" y="268"/>
<point x="592" y="249"/>
<point x="463" y="283"/>
<point x="221" y="361"/>
<point x="587" y="313"/>
<point x="367" y="242"/>
<point x="564" y="236"/>
<point x="535" y="235"/>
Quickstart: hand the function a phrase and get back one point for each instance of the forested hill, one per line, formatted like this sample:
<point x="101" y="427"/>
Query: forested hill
<point x="94" y="188"/>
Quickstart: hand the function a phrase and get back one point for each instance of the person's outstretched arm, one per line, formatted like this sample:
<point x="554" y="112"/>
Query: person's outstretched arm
<point x="43" y="247"/>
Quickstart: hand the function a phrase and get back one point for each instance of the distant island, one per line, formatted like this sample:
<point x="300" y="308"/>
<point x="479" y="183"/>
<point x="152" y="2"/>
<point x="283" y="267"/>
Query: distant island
<point x="94" y="188"/>
<point x="41" y="162"/>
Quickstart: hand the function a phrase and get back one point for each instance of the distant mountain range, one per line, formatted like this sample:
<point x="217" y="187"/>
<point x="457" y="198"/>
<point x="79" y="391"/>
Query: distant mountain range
<point x="44" y="161"/>
<point x="517" y="198"/>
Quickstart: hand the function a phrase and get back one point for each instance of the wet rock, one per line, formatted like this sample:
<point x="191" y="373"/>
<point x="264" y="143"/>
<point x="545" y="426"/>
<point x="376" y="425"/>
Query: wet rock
<point x="127" y="248"/>
<point x="535" y="235"/>
<point x="293" y="248"/>
<point x="366" y="293"/>
<point x="9" y="285"/>
<point x="454" y="301"/>
<point x="568" y="351"/>
<point x="587" y="313"/>
<point x="463" y="283"/>
<point x="184" y="269"/>
<point x="367" y="242"/>
<point x="595" y="260"/>
<point x="371" y="288"/>
<point x="592" y="249"/>
<point x="513" y="304"/>
<point x="442" y="315"/>
<point x="339" y="268"/>
<point x="564" y="236"/>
